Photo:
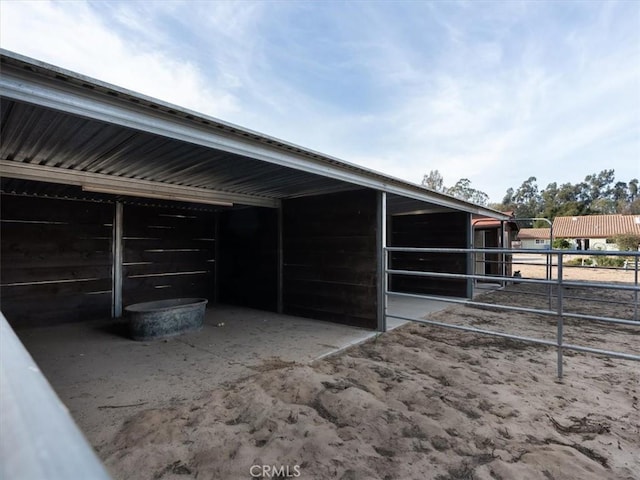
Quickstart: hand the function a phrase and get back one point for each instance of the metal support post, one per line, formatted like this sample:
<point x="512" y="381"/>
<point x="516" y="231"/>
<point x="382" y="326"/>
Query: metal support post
<point x="280" y="305"/>
<point x="470" y="257"/>
<point x="216" y="257"/>
<point x="382" y="284"/>
<point x="116" y="265"/>
<point x="560" y="333"/>
<point x="635" y="293"/>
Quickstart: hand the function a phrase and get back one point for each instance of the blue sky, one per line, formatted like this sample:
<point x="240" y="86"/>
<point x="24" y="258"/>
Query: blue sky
<point x="492" y="91"/>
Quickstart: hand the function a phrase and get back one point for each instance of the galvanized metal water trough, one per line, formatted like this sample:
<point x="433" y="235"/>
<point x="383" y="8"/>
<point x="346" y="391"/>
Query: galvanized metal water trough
<point x="165" y="318"/>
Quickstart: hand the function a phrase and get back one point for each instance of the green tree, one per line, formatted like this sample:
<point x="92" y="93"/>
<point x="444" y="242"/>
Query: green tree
<point x="463" y="190"/>
<point x="627" y="241"/>
<point x="527" y="199"/>
<point x="633" y="190"/>
<point x="561" y="243"/>
<point x="434" y="181"/>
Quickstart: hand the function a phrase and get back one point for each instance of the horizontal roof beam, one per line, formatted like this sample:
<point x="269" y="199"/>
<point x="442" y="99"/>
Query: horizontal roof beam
<point x="97" y="182"/>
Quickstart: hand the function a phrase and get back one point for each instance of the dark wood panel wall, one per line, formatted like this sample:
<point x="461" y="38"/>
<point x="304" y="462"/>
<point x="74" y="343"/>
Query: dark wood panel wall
<point x="434" y="230"/>
<point x="329" y="255"/>
<point x="55" y="264"/>
<point x="167" y="253"/>
<point x="248" y="258"/>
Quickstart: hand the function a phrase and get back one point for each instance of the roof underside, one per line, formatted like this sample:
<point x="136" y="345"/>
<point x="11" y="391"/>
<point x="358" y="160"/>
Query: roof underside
<point x="40" y="137"/>
<point x="61" y="127"/>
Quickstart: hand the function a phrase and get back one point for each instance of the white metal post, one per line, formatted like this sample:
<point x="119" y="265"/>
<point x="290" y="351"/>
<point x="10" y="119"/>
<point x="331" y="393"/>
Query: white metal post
<point x="116" y="261"/>
<point x="382" y="255"/>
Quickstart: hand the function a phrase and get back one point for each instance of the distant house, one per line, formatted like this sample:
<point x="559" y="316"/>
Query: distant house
<point x="595" y="232"/>
<point x="491" y="233"/>
<point x="534" y="238"/>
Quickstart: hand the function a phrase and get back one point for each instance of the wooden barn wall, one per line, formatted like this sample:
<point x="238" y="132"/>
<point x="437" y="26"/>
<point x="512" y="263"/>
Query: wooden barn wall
<point x="329" y="251"/>
<point x="55" y="262"/>
<point x="248" y="258"/>
<point x="430" y="230"/>
<point x="167" y="253"/>
<point x="492" y="260"/>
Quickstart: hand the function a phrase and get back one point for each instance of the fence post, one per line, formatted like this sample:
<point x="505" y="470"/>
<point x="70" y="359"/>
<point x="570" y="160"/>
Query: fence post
<point x="635" y="293"/>
<point x="383" y="265"/>
<point x="560" y="332"/>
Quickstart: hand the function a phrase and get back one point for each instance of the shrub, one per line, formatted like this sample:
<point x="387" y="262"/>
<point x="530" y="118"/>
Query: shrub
<point x="608" y="261"/>
<point x="578" y="262"/>
<point x="627" y="241"/>
<point x="561" y="243"/>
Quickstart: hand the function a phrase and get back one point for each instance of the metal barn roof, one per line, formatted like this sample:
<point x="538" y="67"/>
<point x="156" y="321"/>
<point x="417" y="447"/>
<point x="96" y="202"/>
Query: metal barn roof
<point x="59" y="126"/>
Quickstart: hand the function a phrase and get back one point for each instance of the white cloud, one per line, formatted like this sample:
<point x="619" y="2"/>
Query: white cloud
<point x="72" y="36"/>
<point x="492" y="93"/>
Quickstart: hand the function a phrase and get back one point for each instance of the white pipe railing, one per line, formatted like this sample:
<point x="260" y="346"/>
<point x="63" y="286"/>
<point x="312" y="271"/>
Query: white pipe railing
<point x="559" y="282"/>
<point x="38" y="437"/>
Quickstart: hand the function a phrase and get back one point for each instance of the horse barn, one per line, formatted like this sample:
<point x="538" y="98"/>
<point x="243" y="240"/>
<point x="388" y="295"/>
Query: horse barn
<point x="111" y="198"/>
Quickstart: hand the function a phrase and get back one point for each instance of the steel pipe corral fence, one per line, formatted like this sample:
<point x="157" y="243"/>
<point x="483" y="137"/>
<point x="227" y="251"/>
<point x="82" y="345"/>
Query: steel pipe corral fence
<point x="559" y="282"/>
<point x="38" y="437"/>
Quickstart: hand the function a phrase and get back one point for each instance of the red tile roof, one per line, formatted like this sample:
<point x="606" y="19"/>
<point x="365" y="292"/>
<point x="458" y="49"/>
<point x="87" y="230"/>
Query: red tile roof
<point x="595" y="226"/>
<point x="533" y="233"/>
<point x="482" y="222"/>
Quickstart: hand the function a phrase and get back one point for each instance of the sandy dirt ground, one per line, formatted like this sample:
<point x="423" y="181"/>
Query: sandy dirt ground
<point x="590" y="274"/>
<point x="420" y="402"/>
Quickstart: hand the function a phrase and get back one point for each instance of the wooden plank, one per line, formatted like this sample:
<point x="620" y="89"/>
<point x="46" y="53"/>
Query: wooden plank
<point x="340" y="273"/>
<point x="428" y="286"/>
<point x="135" y="246"/>
<point x="52" y="311"/>
<point x="13" y="231"/>
<point x="158" y="288"/>
<point x="187" y="244"/>
<point x="75" y="212"/>
<point x="330" y="259"/>
<point x="149" y="221"/>
<point x="442" y="263"/>
<point x="35" y="293"/>
<point x="446" y="230"/>
<point x="177" y="256"/>
<point x="57" y="273"/>
<point x="56" y="260"/>
<point x="340" y="244"/>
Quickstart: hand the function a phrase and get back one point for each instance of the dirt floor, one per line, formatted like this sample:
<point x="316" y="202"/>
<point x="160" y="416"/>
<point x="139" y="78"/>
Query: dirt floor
<point x="420" y="402"/>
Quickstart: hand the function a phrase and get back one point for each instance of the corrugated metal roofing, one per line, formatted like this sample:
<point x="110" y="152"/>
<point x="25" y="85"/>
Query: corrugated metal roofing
<point x="38" y="136"/>
<point x="55" y="118"/>
<point x="595" y="226"/>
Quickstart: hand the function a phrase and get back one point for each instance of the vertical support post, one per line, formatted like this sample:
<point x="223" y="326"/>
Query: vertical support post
<point x="470" y="257"/>
<point x="381" y="251"/>
<point x="560" y="332"/>
<point x="116" y="266"/>
<point x="550" y="266"/>
<point x="635" y="293"/>
<point x="216" y="256"/>
<point x="280" y="304"/>
<point x="502" y="256"/>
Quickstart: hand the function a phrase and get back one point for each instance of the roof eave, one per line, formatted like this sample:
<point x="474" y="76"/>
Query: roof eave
<point x="77" y="94"/>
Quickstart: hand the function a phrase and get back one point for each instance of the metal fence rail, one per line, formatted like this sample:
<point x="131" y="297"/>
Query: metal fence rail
<point x="557" y="282"/>
<point x="38" y="437"/>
